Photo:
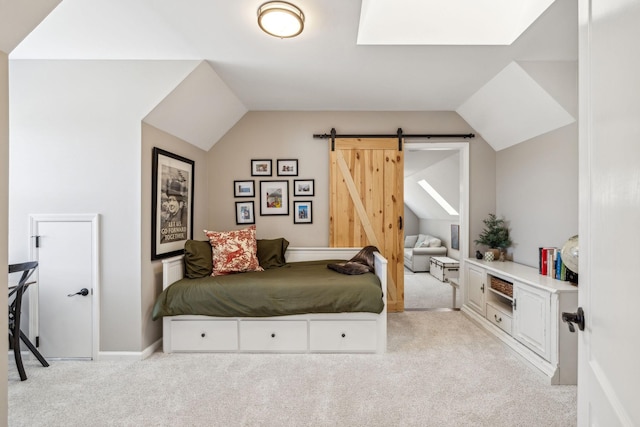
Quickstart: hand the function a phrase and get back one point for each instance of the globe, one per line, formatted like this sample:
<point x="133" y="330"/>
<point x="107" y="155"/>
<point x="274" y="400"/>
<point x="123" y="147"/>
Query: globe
<point x="569" y="254"/>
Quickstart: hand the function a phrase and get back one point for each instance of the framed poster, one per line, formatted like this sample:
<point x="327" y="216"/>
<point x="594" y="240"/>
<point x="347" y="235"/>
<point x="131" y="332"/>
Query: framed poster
<point x="171" y="203"/>
<point x="287" y="167"/>
<point x="274" y="197"/>
<point x="244" y="188"/>
<point x="302" y="212"/>
<point x="261" y="167"/>
<point x="245" y="213"/>
<point x="303" y="187"/>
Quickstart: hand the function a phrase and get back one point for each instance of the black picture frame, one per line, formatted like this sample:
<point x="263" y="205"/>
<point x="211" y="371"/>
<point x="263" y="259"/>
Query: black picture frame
<point x="172" y="183"/>
<point x="245" y="188"/>
<point x="303" y="187"/>
<point x="302" y="212"/>
<point x="261" y="167"/>
<point x="274" y="198"/>
<point x="287" y="167"/>
<point x="245" y="213"/>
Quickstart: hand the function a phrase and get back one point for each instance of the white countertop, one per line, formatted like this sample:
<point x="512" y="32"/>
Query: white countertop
<point x="523" y="273"/>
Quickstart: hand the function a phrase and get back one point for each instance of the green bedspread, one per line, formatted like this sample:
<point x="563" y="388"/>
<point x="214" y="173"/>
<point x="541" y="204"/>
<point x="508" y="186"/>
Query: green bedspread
<point x="296" y="288"/>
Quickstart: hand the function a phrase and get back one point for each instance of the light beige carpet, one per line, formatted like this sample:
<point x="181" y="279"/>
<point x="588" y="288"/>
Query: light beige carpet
<point x="440" y="370"/>
<point x="423" y="291"/>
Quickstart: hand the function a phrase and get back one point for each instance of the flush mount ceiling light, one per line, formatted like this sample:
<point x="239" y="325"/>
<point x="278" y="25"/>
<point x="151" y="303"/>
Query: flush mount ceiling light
<point x="280" y="19"/>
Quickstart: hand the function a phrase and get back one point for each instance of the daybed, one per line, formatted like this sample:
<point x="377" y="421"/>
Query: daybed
<point x="245" y="323"/>
<point x="418" y="250"/>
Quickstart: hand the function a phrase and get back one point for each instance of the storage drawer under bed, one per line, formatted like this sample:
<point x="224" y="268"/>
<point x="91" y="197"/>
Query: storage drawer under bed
<point x="273" y="335"/>
<point x="204" y="335"/>
<point x="338" y="336"/>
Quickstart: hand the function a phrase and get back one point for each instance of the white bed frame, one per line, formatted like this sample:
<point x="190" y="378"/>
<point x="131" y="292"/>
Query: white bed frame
<point x="300" y="333"/>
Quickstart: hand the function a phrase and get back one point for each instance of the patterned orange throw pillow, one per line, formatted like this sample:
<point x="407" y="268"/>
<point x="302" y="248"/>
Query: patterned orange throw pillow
<point x="234" y="251"/>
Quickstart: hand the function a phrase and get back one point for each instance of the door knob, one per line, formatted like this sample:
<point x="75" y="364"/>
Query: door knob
<point x="84" y="292"/>
<point x="577" y="318"/>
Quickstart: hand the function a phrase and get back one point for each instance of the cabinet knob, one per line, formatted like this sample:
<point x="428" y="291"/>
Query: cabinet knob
<point x="203" y="335"/>
<point x="343" y="335"/>
<point x="273" y="335"/>
<point x="498" y="319"/>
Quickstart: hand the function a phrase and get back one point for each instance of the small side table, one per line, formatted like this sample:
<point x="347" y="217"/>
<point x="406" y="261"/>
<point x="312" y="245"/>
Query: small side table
<point x="453" y="281"/>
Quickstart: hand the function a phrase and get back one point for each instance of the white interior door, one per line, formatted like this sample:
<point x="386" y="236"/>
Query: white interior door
<point x="609" y="289"/>
<point x="66" y="254"/>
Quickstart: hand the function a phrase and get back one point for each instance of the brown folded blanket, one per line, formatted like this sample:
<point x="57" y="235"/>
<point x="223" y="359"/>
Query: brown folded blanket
<point x="361" y="263"/>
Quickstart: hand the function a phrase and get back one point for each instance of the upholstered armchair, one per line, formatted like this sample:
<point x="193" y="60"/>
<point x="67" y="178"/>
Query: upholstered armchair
<point x="418" y="250"/>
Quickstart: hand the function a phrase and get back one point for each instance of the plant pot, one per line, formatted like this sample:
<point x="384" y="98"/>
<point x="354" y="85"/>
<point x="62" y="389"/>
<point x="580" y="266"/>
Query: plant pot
<point x="496" y="253"/>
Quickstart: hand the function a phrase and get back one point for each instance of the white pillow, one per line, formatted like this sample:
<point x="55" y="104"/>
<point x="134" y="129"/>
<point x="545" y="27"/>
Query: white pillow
<point x="410" y="241"/>
<point x="434" y="242"/>
<point x="421" y="238"/>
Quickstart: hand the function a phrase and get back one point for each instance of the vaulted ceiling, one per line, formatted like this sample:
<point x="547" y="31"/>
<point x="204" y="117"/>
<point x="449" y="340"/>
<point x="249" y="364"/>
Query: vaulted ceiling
<point x="325" y="68"/>
<point x="369" y="55"/>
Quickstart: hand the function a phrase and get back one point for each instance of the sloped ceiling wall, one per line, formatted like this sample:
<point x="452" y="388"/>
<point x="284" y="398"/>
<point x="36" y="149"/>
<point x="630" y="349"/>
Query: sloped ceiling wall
<point x="441" y="169"/>
<point x="19" y="18"/>
<point x="513" y="107"/>
<point x="199" y="110"/>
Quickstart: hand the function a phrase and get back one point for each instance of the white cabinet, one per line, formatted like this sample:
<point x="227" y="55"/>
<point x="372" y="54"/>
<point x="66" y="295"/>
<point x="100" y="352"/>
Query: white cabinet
<point x="523" y="309"/>
<point x="475" y="287"/>
<point x="532" y="322"/>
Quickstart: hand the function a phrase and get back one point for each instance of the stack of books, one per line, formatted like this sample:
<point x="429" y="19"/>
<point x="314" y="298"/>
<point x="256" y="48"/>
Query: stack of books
<point x="550" y="264"/>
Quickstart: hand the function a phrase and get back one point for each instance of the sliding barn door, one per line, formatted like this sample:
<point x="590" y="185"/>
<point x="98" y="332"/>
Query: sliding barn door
<point x="367" y="203"/>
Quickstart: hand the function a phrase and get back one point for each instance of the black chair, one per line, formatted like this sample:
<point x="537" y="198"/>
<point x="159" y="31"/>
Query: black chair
<point x="15" y="307"/>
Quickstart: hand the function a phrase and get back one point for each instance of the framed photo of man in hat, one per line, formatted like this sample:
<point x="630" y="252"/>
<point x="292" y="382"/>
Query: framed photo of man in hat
<point x="172" y="203"/>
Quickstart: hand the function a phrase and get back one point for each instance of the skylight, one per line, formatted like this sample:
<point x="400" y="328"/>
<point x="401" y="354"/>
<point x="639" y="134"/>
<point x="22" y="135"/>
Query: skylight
<point x="446" y="22"/>
<point x="437" y="197"/>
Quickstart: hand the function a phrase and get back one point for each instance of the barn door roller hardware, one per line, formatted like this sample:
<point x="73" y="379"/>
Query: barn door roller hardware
<point x="332" y="135"/>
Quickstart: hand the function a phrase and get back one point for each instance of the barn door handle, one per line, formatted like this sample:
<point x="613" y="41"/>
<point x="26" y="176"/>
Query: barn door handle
<point x="399" y="223"/>
<point x="84" y="292"/>
<point x="577" y="318"/>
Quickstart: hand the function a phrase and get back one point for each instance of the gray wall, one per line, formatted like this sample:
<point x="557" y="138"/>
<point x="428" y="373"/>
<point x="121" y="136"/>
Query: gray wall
<point x="285" y="134"/>
<point x="482" y="189"/>
<point x="152" y="270"/>
<point x="537" y="192"/>
<point x="442" y="230"/>
<point x="411" y="222"/>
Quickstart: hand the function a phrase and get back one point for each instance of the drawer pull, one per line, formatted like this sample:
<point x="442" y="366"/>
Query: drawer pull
<point x="498" y="319"/>
<point x="203" y="335"/>
<point x="273" y="335"/>
<point x="344" y="335"/>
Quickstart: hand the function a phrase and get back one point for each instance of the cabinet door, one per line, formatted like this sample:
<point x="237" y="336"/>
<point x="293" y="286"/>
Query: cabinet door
<point x="531" y="317"/>
<point x="476" y="278"/>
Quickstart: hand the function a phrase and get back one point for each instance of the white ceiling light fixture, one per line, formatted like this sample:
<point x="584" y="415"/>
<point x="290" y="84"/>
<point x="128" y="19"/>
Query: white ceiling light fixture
<point x="280" y="19"/>
<point x="437" y="197"/>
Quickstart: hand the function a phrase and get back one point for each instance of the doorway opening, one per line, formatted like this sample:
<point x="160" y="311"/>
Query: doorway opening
<point x="445" y="167"/>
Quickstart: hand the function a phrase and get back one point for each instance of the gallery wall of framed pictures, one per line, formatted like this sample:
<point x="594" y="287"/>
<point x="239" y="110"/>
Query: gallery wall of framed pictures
<point x="273" y="194"/>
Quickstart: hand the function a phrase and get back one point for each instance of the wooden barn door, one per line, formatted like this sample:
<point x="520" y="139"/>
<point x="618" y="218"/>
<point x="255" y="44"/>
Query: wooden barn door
<point x="367" y="203"/>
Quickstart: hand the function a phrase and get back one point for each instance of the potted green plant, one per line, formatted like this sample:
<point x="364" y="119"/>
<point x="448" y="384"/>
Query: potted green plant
<point x="495" y="235"/>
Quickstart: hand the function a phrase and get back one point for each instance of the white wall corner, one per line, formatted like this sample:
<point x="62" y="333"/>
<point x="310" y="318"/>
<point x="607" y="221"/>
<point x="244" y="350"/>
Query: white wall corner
<point x="512" y="108"/>
<point x="200" y="110"/>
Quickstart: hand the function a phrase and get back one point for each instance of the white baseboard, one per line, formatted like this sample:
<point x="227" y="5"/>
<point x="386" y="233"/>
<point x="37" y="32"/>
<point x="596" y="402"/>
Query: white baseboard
<point x="130" y="355"/>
